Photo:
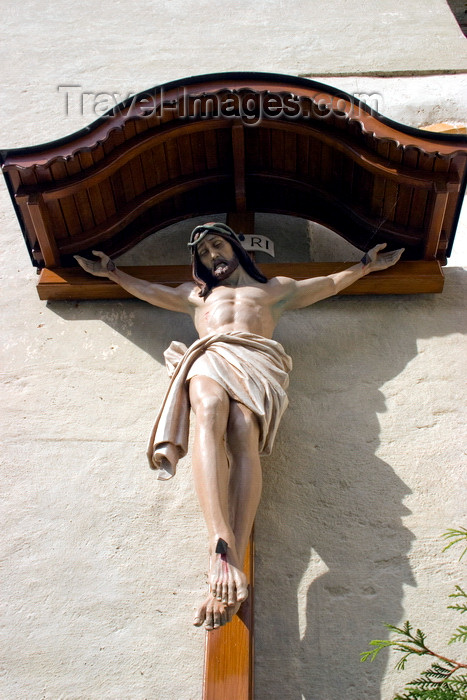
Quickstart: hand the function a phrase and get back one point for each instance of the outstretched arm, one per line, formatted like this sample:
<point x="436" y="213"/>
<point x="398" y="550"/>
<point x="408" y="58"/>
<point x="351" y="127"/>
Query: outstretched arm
<point x="309" y="291"/>
<point x="172" y="298"/>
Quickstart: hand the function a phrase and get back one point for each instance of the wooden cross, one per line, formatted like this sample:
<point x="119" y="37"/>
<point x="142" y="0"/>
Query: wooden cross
<point x="229" y="650"/>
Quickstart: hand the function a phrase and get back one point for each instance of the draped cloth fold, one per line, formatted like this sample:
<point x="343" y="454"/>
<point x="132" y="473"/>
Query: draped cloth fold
<point x="252" y="369"/>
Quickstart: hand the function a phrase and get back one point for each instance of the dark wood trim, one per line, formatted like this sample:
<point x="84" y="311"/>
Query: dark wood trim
<point x="241" y="221"/>
<point x="407" y="277"/>
<point x="238" y="150"/>
<point x="41" y="223"/>
<point x="238" y="143"/>
<point x="372" y="162"/>
<point x="435" y="225"/>
<point x="128" y="150"/>
<point x="121" y="156"/>
<point x="128" y="213"/>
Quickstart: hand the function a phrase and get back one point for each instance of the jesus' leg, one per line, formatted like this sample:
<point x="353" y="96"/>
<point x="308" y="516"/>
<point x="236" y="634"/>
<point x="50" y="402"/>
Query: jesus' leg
<point x="246" y="475"/>
<point x="244" y="495"/>
<point x="211" y="405"/>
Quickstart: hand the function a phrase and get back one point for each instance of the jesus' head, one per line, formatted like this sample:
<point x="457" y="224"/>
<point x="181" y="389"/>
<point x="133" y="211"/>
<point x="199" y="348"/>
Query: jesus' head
<point x="216" y="253"/>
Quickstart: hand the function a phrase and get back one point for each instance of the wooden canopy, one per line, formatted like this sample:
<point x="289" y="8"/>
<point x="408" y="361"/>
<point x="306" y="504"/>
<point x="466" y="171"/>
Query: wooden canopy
<point x="238" y="143"/>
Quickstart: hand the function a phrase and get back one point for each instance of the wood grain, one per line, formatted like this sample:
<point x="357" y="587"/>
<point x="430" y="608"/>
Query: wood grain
<point x="407" y="277"/>
<point x="332" y="162"/>
<point x="229" y="650"/>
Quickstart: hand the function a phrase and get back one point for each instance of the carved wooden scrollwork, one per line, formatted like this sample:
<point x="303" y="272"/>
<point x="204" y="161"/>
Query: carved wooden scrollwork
<point x="237" y="143"/>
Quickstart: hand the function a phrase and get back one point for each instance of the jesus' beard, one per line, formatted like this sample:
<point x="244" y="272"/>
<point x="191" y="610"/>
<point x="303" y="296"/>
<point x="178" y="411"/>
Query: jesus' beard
<point x="225" y="269"/>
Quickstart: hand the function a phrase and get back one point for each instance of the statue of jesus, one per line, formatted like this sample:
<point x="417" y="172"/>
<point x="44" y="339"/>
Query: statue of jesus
<point x="234" y="378"/>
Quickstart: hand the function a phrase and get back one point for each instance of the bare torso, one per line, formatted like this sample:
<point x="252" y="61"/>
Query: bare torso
<point x="252" y="307"/>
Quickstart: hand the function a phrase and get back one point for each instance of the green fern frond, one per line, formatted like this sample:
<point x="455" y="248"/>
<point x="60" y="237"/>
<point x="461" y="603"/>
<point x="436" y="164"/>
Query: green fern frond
<point x="459" y="682"/>
<point x="455" y="536"/>
<point x="438" y="671"/>
<point x="400" y="630"/>
<point x="400" y="665"/>
<point x="441" y="681"/>
<point x="460" y="635"/>
<point x="444" y="693"/>
<point x="436" y="683"/>
<point x="406" y="630"/>
<point x="380" y="644"/>
<point x="460" y="607"/>
<point x="419" y="638"/>
<point x="410" y="644"/>
<point x="460" y="593"/>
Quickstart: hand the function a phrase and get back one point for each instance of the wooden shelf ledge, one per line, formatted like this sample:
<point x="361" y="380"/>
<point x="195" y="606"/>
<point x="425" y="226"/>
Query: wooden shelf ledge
<point x="407" y="277"/>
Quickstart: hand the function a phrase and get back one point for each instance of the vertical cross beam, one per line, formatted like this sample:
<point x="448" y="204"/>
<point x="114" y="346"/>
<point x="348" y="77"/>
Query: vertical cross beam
<point x="238" y="152"/>
<point x="241" y="221"/>
<point x="229" y="650"/>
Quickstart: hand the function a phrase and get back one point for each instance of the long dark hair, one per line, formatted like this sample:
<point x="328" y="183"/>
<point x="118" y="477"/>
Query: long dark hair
<point x="206" y="281"/>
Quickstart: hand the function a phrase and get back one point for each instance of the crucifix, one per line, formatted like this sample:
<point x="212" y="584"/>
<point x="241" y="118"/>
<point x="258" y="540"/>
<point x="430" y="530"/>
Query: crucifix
<point x="234" y="378"/>
<point x="304" y="149"/>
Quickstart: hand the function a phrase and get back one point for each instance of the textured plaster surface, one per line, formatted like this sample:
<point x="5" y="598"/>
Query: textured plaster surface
<point x="102" y="564"/>
<point x="109" y="50"/>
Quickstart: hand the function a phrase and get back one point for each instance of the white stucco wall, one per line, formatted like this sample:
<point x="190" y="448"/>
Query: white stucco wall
<point x="102" y="564"/>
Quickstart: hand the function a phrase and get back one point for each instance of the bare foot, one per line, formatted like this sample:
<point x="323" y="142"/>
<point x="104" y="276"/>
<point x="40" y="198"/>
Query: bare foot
<point x="227" y="581"/>
<point x="214" y="613"/>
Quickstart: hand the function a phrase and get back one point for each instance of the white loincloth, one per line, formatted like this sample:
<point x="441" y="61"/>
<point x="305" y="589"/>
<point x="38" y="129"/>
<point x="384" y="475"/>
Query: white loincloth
<point x="253" y="371"/>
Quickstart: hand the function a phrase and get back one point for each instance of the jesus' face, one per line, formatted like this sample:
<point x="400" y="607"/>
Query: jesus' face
<point x="217" y="255"/>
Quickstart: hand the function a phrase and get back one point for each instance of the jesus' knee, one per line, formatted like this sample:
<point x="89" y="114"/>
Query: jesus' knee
<point x="212" y="411"/>
<point x="210" y="403"/>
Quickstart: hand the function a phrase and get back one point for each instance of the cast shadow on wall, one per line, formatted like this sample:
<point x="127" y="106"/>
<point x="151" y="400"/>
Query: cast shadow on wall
<point x="330" y="529"/>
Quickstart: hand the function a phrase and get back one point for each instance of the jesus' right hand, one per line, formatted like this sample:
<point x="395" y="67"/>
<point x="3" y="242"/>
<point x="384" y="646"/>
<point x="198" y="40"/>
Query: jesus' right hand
<point x="99" y="268"/>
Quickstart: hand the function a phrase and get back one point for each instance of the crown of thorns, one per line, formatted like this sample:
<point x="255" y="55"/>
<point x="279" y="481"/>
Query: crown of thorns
<point x="199" y="232"/>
